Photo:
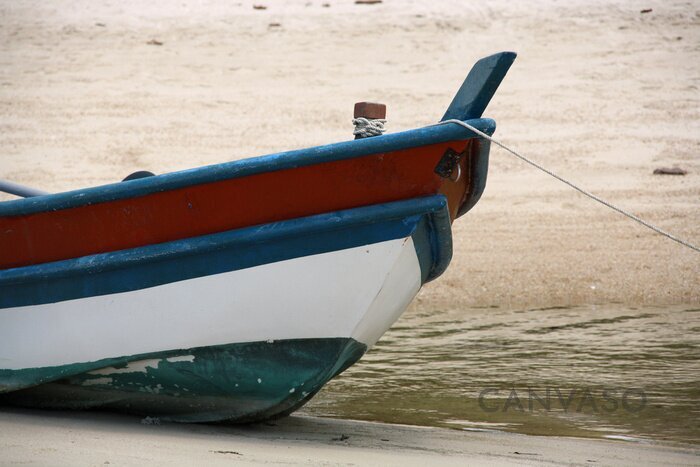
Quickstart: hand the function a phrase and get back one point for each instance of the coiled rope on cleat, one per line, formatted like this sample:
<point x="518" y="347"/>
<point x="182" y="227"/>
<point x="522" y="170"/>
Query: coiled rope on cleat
<point x="366" y="127"/>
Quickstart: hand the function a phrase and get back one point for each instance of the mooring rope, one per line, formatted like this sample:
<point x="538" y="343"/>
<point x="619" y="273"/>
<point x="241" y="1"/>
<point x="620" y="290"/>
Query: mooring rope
<point x="365" y="127"/>
<point x="575" y="187"/>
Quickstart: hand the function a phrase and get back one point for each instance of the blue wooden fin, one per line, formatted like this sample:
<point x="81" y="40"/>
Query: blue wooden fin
<point x="479" y="87"/>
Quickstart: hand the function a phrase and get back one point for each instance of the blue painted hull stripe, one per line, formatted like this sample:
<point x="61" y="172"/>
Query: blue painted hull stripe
<point x="143" y="267"/>
<point x="241" y="168"/>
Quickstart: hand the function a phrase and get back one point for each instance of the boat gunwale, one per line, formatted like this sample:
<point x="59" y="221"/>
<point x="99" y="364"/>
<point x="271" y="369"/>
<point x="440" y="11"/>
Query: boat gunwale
<point x="244" y="167"/>
<point x="263" y="233"/>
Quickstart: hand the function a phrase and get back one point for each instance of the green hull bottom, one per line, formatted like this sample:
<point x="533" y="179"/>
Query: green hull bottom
<point x="237" y="382"/>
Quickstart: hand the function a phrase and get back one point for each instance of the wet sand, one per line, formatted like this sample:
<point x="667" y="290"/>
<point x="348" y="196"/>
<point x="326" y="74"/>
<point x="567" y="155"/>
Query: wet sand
<point x="601" y="93"/>
<point x="57" y="438"/>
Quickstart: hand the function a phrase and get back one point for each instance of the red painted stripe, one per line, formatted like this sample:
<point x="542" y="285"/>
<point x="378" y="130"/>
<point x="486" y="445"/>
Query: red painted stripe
<point x="219" y="206"/>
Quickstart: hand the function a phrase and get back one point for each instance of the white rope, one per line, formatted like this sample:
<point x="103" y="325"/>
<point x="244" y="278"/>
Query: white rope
<point x="365" y="127"/>
<point x="575" y="187"/>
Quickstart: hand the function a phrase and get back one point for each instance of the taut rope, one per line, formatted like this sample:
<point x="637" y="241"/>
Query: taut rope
<point x="575" y="187"/>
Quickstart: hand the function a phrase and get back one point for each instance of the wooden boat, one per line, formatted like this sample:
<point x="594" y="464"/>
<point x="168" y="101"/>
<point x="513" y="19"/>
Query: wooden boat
<point x="233" y="291"/>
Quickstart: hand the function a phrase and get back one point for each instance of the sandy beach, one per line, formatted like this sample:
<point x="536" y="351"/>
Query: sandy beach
<point x="58" y="438"/>
<point x="601" y="93"/>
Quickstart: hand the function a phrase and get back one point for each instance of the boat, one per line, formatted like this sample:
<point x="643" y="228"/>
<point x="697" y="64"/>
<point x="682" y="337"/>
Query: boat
<point x="233" y="292"/>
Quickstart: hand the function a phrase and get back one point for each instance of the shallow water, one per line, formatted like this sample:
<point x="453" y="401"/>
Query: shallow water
<point x="611" y="371"/>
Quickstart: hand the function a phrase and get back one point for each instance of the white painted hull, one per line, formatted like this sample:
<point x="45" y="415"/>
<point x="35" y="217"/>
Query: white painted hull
<point x="352" y="293"/>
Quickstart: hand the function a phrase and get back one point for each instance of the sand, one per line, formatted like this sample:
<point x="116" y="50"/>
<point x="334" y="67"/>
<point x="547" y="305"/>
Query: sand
<point x="58" y="438"/>
<point x="601" y="93"/>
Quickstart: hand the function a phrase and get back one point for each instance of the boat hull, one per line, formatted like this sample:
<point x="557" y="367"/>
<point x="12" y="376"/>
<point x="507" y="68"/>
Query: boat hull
<point x="233" y="291"/>
<point x="242" y="382"/>
<point x="242" y="326"/>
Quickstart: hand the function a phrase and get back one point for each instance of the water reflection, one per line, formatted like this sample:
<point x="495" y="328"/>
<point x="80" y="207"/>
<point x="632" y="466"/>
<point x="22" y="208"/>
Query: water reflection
<point x="614" y="372"/>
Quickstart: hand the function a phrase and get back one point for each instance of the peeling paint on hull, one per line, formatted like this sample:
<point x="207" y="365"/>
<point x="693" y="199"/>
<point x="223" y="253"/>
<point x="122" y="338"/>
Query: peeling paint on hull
<point x="241" y="383"/>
